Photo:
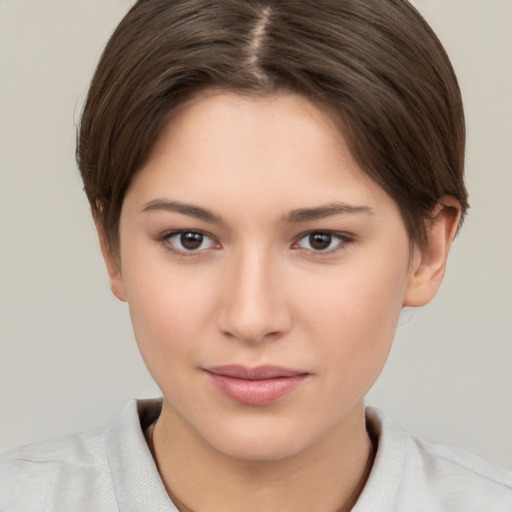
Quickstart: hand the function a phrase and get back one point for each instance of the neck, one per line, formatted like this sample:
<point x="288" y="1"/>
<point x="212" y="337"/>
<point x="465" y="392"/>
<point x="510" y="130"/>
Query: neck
<point x="327" y="476"/>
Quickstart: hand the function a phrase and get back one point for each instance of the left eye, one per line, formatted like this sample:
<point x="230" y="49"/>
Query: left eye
<point x="321" y="241"/>
<point x="189" y="241"/>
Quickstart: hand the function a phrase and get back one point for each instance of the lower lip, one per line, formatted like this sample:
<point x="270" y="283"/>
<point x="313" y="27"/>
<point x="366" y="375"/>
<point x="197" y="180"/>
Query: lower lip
<point x="256" y="392"/>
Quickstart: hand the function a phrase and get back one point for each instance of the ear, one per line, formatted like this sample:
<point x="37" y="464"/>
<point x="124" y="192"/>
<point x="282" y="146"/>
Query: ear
<point x="429" y="263"/>
<point x="111" y="262"/>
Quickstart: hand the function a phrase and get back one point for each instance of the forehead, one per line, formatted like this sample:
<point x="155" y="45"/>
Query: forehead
<point x="281" y="117"/>
<point x="237" y="153"/>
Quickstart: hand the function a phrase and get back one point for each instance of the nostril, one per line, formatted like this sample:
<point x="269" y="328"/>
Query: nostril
<point x="254" y="326"/>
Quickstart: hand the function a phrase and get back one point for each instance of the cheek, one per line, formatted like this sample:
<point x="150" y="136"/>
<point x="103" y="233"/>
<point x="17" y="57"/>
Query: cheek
<point x="169" y="308"/>
<point x="355" y="313"/>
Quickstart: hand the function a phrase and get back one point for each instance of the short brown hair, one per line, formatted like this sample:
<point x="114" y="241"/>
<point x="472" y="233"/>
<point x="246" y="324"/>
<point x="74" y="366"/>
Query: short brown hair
<point x="376" y="64"/>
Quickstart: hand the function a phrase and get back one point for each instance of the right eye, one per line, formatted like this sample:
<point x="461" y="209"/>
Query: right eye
<point x="188" y="242"/>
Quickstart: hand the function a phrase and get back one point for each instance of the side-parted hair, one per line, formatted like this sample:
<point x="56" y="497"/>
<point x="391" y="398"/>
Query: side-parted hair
<point x="375" y="65"/>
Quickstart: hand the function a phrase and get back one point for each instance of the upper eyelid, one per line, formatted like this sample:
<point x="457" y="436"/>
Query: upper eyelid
<point x="181" y="231"/>
<point x="345" y="238"/>
<point x="173" y="232"/>
<point x="163" y="237"/>
<point x="343" y="235"/>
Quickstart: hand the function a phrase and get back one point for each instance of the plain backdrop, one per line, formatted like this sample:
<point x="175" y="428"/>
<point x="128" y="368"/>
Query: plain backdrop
<point x="68" y="360"/>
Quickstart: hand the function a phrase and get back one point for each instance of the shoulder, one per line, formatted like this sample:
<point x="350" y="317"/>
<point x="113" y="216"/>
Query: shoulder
<point x="104" y="469"/>
<point x="34" y="476"/>
<point x="445" y="461"/>
<point x="425" y="476"/>
<point x="459" y="478"/>
<point x="80" y="447"/>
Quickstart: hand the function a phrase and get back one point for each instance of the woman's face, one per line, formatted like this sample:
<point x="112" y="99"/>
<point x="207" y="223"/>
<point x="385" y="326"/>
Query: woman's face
<point x="264" y="272"/>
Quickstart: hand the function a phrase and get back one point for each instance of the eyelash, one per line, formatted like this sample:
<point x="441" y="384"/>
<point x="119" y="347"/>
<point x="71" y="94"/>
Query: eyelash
<point x="165" y="237"/>
<point x="343" y="240"/>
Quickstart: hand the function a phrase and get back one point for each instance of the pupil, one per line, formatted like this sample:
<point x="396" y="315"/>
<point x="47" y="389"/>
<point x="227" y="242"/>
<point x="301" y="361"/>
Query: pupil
<point x="191" y="240"/>
<point x="320" y="241"/>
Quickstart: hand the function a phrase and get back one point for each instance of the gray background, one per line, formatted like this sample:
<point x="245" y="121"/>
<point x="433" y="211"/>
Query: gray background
<point x="68" y="360"/>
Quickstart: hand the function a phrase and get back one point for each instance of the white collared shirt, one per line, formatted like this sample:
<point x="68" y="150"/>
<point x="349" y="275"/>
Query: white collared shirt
<point x="112" y="470"/>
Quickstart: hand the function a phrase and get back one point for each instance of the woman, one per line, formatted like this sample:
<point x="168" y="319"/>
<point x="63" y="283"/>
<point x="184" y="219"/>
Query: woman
<point x="271" y="183"/>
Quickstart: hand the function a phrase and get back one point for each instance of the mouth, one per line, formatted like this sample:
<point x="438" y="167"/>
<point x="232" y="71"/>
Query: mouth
<point x="257" y="386"/>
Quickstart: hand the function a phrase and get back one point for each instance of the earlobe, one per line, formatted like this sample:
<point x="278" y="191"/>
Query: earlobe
<point x="429" y="263"/>
<point x="111" y="262"/>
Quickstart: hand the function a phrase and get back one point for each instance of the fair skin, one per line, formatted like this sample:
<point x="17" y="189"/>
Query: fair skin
<point x="250" y="238"/>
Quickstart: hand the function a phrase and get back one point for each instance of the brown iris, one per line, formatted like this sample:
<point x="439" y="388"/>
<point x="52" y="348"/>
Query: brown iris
<point x="320" y="241"/>
<point x="191" y="240"/>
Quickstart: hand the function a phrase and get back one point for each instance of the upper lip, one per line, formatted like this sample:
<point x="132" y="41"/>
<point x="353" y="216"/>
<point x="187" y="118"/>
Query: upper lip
<point x="254" y="373"/>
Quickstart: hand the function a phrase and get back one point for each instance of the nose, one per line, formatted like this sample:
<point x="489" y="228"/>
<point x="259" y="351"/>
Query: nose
<point x="253" y="307"/>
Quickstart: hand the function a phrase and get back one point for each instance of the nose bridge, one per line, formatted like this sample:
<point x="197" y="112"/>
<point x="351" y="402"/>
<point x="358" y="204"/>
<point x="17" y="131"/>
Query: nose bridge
<point x="253" y="307"/>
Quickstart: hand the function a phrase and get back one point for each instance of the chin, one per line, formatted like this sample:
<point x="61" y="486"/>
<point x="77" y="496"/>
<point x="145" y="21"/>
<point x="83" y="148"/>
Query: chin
<point x="261" y="441"/>
<point x="261" y="450"/>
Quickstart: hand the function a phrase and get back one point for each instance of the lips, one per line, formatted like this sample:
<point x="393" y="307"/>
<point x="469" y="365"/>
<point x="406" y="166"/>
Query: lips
<point x="256" y="386"/>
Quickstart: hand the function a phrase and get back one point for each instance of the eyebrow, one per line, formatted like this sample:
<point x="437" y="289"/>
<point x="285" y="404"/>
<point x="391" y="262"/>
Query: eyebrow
<point x="183" y="208"/>
<point x="321" y="212"/>
<point x="295" y="216"/>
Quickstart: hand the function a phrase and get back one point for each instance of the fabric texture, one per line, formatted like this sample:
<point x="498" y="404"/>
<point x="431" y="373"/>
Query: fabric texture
<point x="112" y="470"/>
